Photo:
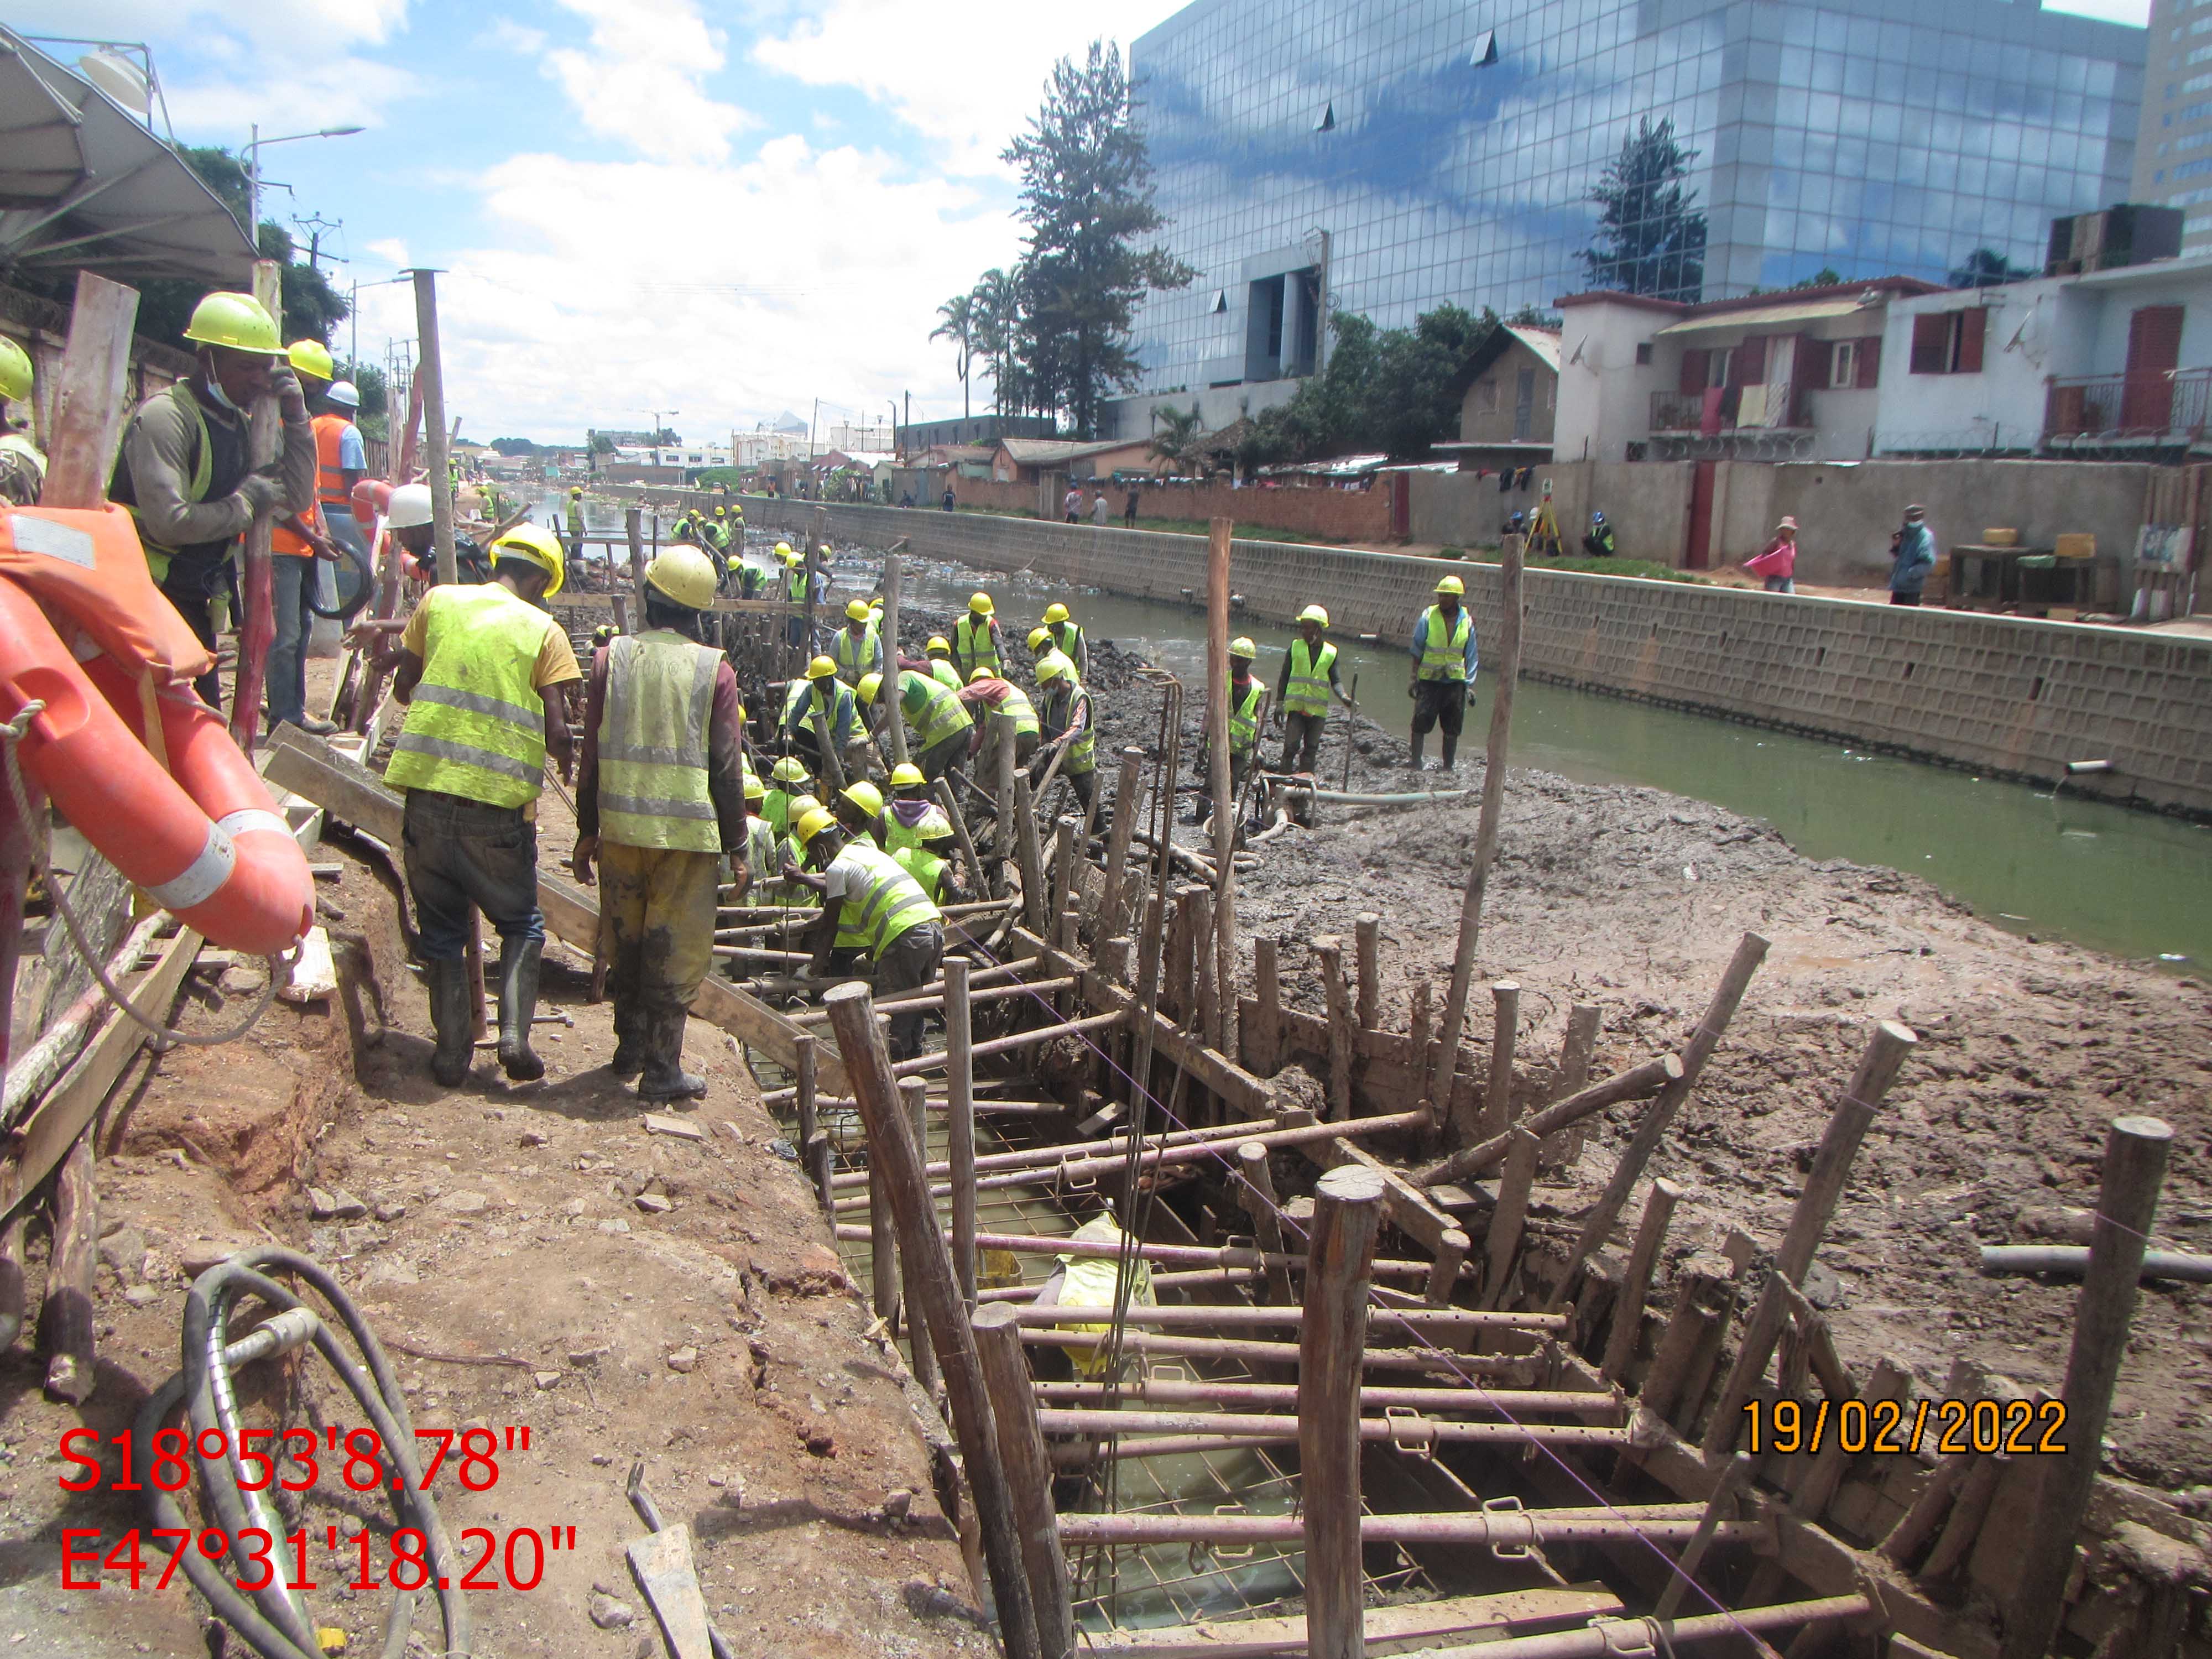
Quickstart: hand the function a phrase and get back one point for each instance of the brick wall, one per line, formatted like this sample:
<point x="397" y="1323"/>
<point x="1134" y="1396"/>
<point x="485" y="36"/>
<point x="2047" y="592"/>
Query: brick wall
<point x="2007" y="695"/>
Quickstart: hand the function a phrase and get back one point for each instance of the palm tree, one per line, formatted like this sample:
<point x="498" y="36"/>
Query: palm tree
<point x="997" y="315"/>
<point x="1175" y="434"/>
<point x="959" y="325"/>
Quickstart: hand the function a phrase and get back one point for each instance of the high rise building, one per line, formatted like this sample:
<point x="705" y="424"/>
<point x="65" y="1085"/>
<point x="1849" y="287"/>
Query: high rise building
<point x="1385" y="156"/>
<point x="2174" y="154"/>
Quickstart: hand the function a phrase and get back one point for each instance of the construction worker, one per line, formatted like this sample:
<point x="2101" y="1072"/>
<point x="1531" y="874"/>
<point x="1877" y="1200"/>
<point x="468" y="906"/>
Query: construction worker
<point x="930" y="861"/>
<point x="986" y="695"/>
<point x="797" y="581"/>
<point x="820" y="694"/>
<point x="660" y="801"/>
<point x="302" y="542"/>
<point x="944" y="736"/>
<point x="183" y="471"/>
<point x="976" y="638"/>
<point x="1068" y="635"/>
<point x="481" y="670"/>
<point x="1043" y="650"/>
<point x="858" y="650"/>
<point x="790" y="782"/>
<point x="408" y="518"/>
<point x="859" y="808"/>
<point x="1444" y="669"/>
<point x="1065" y="718"/>
<point x="900" y="929"/>
<point x="22" y="464"/>
<point x="1246" y="695"/>
<point x="942" y="669"/>
<point x="1302" y="690"/>
<point x="909" y="812"/>
<point x="576" y="528"/>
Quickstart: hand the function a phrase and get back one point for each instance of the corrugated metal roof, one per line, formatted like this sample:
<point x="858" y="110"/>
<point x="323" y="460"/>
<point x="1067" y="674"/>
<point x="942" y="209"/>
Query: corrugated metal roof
<point x="1804" y="310"/>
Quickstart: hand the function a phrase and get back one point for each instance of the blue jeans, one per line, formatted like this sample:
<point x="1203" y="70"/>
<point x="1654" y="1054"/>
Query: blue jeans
<point x="464" y="856"/>
<point x="295" y="580"/>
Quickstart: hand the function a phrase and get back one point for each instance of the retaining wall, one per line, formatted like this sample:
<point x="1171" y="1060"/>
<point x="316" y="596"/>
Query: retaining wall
<point x="2004" y="695"/>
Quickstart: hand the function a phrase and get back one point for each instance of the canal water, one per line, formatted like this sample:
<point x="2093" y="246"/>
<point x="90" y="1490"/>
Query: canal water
<point x="2133" y="883"/>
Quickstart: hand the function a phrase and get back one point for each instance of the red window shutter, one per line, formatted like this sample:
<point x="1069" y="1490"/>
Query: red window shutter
<point x="1931" y="341"/>
<point x="1697" y="363"/>
<point x="1751" y="361"/>
<point x="2154" y="338"/>
<point x="1815" y="364"/>
<point x="1869" y="362"/>
<point x="1972" y="322"/>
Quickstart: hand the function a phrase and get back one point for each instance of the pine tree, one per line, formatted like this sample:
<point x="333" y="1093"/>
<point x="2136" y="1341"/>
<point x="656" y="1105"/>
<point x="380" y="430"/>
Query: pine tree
<point x="1650" y="237"/>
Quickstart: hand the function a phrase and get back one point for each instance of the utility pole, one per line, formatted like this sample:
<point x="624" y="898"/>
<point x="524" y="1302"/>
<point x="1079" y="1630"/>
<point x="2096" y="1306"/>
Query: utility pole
<point x="429" y="370"/>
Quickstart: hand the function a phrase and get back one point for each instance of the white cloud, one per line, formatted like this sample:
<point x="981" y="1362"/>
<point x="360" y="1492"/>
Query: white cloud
<point x="391" y="249"/>
<point x="966" y="79"/>
<point x="641" y="79"/>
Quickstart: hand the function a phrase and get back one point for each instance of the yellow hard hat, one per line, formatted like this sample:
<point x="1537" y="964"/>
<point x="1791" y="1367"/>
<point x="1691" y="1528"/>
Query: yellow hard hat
<point x="907" y="776"/>
<point x="869" y="686"/>
<point x="811" y="825"/>
<point x="981" y="674"/>
<point x="1314" y="613"/>
<point x="313" y="357"/>
<point x="864" y="795"/>
<point x="754" y="788"/>
<point x="238" y="321"/>
<point x="856" y="611"/>
<point x="1051" y="668"/>
<point x="575" y="489"/>
<point x="684" y="574"/>
<point x="800" y="806"/>
<point x="721" y="512"/>
<point x="783" y="549"/>
<point x="1040" y="636"/>
<point x="982" y="605"/>
<point x="15" y="375"/>
<point x="934" y="829"/>
<point x="1055" y="613"/>
<point x="788" y="770"/>
<point x="938" y="642"/>
<point x="1243" y="648"/>
<point x="1453" y="586"/>
<point x="821" y="669"/>
<point x="539" y="546"/>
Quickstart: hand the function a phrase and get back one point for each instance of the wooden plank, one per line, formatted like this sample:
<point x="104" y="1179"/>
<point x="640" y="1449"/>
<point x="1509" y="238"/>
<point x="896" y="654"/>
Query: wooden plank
<point x="1245" y="1094"/>
<point x="61" y="1118"/>
<point x="1411" y="1210"/>
<point x="1390" y="1630"/>
<point x="94" y="402"/>
<point x="661" y="1563"/>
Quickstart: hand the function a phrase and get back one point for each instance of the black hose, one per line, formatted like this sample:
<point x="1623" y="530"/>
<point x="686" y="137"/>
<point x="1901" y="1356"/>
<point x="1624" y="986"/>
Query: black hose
<point x="269" y="1623"/>
<point x="364" y="588"/>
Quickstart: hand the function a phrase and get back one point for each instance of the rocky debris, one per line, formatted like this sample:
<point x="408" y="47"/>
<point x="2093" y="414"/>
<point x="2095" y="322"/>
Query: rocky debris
<point x="927" y="1600"/>
<point x="658" y="1124"/>
<point x="462" y="1202"/>
<point x="337" y="1206"/>
<point x="608" y="1613"/>
<point x="653" y="1204"/>
<point x="682" y="1359"/>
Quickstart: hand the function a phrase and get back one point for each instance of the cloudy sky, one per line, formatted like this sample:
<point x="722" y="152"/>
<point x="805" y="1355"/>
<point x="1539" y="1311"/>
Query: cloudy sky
<point x="727" y="208"/>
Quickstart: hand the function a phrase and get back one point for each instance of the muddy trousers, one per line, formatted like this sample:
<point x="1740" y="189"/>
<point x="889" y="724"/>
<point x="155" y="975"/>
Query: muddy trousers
<point x="1439" y="703"/>
<point x="1240" y="768"/>
<point x="913" y="959"/>
<point x="942" y="756"/>
<point x="463" y="856"/>
<point x="657" y="927"/>
<point x="1301" y="741"/>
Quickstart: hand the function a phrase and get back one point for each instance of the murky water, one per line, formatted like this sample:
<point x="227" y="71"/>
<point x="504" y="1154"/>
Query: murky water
<point x="2130" y="882"/>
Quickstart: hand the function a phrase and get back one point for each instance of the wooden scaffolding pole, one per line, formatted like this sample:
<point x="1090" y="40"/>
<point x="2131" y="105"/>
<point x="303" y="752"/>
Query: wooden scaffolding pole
<point x="430" y="376"/>
<point x="1226" y="807"/>
<point x="256" y="625"/>
<point x="1347" y="1214"/>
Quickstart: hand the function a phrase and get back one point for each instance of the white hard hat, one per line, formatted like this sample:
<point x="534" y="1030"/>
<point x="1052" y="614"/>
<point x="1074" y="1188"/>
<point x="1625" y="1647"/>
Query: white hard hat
<point x="410" y="506"/>
<point x="344" y="392"/>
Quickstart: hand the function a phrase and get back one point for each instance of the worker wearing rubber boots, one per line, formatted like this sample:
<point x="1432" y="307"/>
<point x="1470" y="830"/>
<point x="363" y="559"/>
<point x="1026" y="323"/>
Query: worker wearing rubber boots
<point x="1068" y="637"/>
<point x="1444" y="669"/>
<point x="1302" y="690"/>
<point x="942" y="669"/>
<point x="821" y="698"/>
<point x="1246" y="696"/>
<point x="481" y="670"/>
<point x="858" y="649"/>
<point x="944" y="736"/>
<point x="1065" y="718"/>
<point x="23" y="463"/>
<point x="975" y="641"/>
<point x="183" y="471"/>
<point x="661" y="800"/>
<point x="902" y="933"/>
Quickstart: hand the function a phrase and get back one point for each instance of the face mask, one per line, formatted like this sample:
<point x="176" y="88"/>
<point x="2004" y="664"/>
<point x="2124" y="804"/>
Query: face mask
<point x="221" y="397"/>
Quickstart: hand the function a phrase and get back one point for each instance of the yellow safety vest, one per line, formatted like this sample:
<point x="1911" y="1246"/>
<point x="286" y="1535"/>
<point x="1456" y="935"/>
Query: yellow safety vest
<point x="839" y="704"/>
<point x="476" y="726"/>
<point x="884" y="905"/>
<point x="653" y="744"/>
<point x="1307" y="691"/>
<point x="896" y="834"/>
<point x="855" y="657"/>
<point x="1447" y="661"/>
<point x="933" y="711"/>
<point x="776" y="811"/>
<point x="973" y="645"/>
<point x="925" y="867"/>
<point x="1081" y="751"/>
<point x="1068" y="636"/>
<point x="944" y="673"/>
<point x="1016" y="702"/>
<point x="1244" y="717"/>
<point x="796" y="584"/>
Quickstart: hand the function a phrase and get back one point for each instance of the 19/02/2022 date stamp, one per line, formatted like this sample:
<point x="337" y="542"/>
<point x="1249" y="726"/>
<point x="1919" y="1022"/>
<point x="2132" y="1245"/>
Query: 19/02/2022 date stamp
<point x="2019" y="1428"/>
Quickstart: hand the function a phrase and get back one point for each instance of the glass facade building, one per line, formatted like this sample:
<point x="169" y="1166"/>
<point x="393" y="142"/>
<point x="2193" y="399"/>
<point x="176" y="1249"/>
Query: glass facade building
<point x="1385" y="156"/>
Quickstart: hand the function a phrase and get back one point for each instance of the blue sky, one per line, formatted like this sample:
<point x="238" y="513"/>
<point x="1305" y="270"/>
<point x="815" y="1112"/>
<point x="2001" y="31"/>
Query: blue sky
<point x="723" y="207"/>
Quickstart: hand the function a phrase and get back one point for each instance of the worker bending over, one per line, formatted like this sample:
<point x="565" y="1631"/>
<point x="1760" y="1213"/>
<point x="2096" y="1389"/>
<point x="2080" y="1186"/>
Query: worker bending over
<point x="938" y="653"/>
<point x="481" y="670"/>
<point x="900" y="929"/>
<point x="986" y="694"/>
<point x="859" y="809"/>
<point x="821" y="699"/>
<point x="976" y="638"/>
<point x="23" y="463"/>
<point x="791" y="780"/>
<point x="1068" y="637"/>
<point x="1043" y="650"/>
<point x="1303" y="688"/>
<point x="1444" y="669"/>
<point x="909" y="817"/>
<point x="1066" y="719"/>
<point x="942" y="733"/>
<point x="1246" y="696"/>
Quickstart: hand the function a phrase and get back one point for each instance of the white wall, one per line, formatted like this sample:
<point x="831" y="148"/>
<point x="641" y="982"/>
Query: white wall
<point x="1605" y="397"/>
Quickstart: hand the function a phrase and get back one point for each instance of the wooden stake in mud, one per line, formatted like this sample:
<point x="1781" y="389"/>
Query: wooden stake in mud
<point x="1226" y="810"/>
<point x="1505" y="1036"/>
<point x="1485" y="834"/>
<point x="66" y="1315"/>
<point x="1575" y="1054"/>
<point x="950" y="800"/>
<point x="960" y="1122"/>
<point x="912" y="1092"/>
<point x="897" y="1160"/>
<point x="257" y="599"/>
<point x="634" y="528"/>
<point x="1033" y="906"/>
<point x="997" y="1334"/>
<point x="430" y="375"/>
<point x="1002" y="791"/>
<point x="1063" y="869"/>
<point x="94" y="406"/>
<point x="1598" y="1227"/>
<point x="1636" y="1286"/>
<point x="898" y="732"/>
<point x="2135" y="1168"/>
<point x="1347" y="1213"/>
<point x="1128" y="801"/>
<point x="1266" y="1049"/>
<point x="1258" y="1198"/>
<point x="1637" y="1083"/>
<point x="1510" y="1219"/>
<point x="1329" y="954"/>
<point x="1367" y="944"/>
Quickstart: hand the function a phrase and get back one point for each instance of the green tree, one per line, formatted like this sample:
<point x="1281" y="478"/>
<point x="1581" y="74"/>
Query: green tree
<point x="1987" y="268"/>
<point x="1535" y="317"/>
<point x="368" y="380"/>
<point x="995" y="312"/>
<point x="957" y="323"/>
<point x="1382" y="389"/>
<point x="1175" y="435"/>
<point x="1651" y="236"/>
<point x="1825" y="277"/>
<point x="1086" y="196"/>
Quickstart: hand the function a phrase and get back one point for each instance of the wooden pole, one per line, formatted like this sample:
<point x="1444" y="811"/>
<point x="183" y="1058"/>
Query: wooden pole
<point x="1733" y="1480"/>
<point x="960" y="1122"/>
<point x="1576" y="1052"/>
<point x="1328" y="956"/>
<point x="1206" y="986"/>
<point x="1033" y="906"/>
<point x="257" y="626"/>
<point x="817" y="1153"/>
<point x="1266" y="1044"/>
<point x="1505" y="1033"/>
<point x="1636" y="1286"/>
<point x="1005" y="1371"/>
<point x="65" y="1316"/>
<point x="1003" y="738"/>
<point x="1347" y="1213"/>
<point x="1598" y="1226"/>
<point x="911" y="1093"/>
<point x="1503" y="1242"/>
<point x="1063" y="870"/>
<point x="634" y="528"/>
<point x="950" y="800"/>
<point x="1226" y="810"/>
<point x="1486" y="834"/>
<point x="891" y="565"/>
<point x="883" y="1252"/>
<point x="1637" y="1083"/>
<point x="430" y="376"/>
<point x="92" y="406"/>
<point x="14" y="1290"/>
<point x="1258" y="1198"/>
<point x="898" y="1160"/>
<point x="1367" y="937"/>
<point x="1128" y="801"/>
<point x="2135" y="1168"/>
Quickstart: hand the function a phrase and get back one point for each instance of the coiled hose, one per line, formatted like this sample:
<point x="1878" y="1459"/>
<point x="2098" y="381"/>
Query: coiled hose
<point x="273" y="1623"/>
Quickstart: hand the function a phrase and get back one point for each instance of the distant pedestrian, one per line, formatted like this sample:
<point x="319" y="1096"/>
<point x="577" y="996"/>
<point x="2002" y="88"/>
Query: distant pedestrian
<point x="1098" y="509"/>
<point x="1777" y="563"/>
<point x="1912" y="555"/>
<point x="1071" y="504"/>
<point x="1129" y="510"/>
<point x="948" y="498"/>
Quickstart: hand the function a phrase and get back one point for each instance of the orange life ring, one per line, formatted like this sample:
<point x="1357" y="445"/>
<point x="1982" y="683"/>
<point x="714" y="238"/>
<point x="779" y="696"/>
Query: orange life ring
<point x="202" y="839"/>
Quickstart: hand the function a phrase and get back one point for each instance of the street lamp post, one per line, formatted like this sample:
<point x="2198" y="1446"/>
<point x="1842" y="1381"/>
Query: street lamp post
<point x="254" y="168"/>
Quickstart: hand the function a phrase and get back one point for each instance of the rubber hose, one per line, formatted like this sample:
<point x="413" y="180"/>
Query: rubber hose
<point x="364" y="590"/>
<point x="206" y="1318"/>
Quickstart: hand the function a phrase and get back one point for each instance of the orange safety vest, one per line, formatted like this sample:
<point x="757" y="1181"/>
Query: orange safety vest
<point x="330" y="477"/>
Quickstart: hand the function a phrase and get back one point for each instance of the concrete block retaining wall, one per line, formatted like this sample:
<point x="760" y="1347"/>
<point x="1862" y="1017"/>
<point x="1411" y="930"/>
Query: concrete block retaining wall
<point x="2007" y="695"/>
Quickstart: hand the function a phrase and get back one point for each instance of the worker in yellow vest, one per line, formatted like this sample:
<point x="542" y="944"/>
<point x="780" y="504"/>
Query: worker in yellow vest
<point x="944" y="736"/>
<point x="986" y="695"/>
<point x="484" y="673"/>
<point x="909" y="815"/>
<point x="930" y="862"/>
<point x="1065" y="718"/>
<point x="22" y="464"/>
<point x="859" y="809"/>
<point x="790" y="782"/>
<point x="1068" y="637"/>
<point x="1043" y="649"/>
<point x="1246" y="697"/>
<point x="859" y="647"/>
<point x="942" y="668"/>
<point x="976" y="638"/>
<point x="1302" y="690"/>
<point x="660" y="801"/>
<point x="902" y="931"/>
<point x="1444" y="663"/>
